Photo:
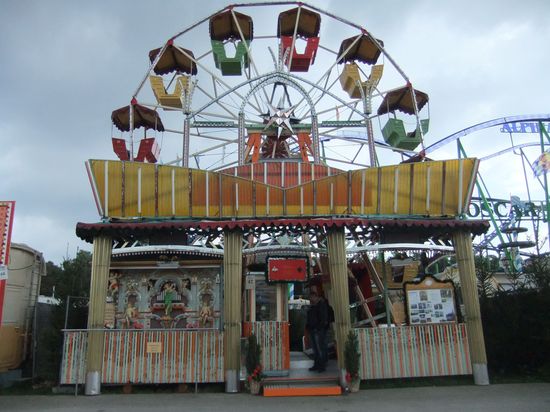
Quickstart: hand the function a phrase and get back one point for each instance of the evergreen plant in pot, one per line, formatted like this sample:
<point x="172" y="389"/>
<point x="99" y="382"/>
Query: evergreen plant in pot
<point x="254" y="373"/>
<point x="351" y="361"/>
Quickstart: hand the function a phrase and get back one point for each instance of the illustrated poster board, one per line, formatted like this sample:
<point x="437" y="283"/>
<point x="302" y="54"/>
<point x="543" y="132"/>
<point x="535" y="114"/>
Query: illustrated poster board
<point x="430" y="301"/>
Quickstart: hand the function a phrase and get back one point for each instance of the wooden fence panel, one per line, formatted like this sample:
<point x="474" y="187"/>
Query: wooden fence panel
<point x="414" y="351"/>
<point x="150" y="356"/>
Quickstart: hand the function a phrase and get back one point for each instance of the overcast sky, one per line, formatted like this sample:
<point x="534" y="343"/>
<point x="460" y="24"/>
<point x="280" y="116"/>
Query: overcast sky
<point x="67" y="64"/>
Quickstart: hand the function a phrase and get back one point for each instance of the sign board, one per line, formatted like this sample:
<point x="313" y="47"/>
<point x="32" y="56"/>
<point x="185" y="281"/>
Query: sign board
<point x="430" y="301"/>
<point x="250" y="282"/>
<point x="154" y="347"/>
<point x="3" y="272"/>
<point x="6" y="222"/>
<point x="287" y="269"/>
<point x="523" y="127"/>
<point x="501" y="209"/>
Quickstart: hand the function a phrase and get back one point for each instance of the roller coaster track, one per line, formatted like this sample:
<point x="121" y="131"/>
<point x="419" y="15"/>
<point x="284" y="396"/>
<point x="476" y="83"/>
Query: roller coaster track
<point x="485" y="125"/>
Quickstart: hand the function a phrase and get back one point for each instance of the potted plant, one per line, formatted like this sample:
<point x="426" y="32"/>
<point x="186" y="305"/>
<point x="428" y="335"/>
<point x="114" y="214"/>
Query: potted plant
<point x="351" y="361"/>
<point x="253" y="364"/>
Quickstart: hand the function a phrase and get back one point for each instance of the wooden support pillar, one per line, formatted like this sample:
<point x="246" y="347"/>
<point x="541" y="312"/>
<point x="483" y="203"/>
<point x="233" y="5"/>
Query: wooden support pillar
<point x="338" y="266"/>
<point x="232" y="272"/>
<point x="462" y="242"/>
<point x="101" y="261"/>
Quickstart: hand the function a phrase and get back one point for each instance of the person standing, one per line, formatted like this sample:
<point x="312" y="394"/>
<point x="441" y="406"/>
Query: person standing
<point x="317" y="325"/>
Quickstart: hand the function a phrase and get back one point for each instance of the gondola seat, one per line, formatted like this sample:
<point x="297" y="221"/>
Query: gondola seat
<point x="300" y="61"/>
<point x="230" y="66"/>
<point x="163" y="97"/>
<point x="148" y="150"/>
<point x="350" y="79"/>
<point x="119" y="147"/>
<point x="395" y="135"/>
<point x="425" y="124"/>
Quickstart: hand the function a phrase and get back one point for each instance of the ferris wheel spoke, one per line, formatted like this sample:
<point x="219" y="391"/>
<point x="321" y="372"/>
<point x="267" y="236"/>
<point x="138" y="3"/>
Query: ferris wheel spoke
<point x="209" y="149"/>
<point x="339" y="58"/>
<point x="248" y="49"/>
<point x="326" y="88"/>
<point x="218" y="103"/>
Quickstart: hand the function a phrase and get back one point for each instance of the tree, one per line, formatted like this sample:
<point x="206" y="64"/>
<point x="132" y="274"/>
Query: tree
<point x="484" y="273"/>
<point x="71" y="279"/>
<point x="537" y="272"/>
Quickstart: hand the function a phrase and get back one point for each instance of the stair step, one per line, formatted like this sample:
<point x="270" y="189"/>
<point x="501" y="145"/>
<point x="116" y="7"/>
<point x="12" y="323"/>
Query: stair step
<point x="302" y="389"/>
<point x="317" y="381"/>
<point x="301" y="364"/>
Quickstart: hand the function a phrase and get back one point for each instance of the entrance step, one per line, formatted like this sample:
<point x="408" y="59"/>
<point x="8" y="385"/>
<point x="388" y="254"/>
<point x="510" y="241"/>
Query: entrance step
<point x="299" y="361"/>
<point x="301" y="389"/>
<point x="302" y="382"/>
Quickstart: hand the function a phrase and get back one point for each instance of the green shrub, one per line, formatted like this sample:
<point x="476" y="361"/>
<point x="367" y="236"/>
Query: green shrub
<point x="253" y="359"/>
<point x="351" y="355"/>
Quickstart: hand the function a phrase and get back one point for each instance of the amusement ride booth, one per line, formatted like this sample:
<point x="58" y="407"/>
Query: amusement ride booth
<point x="297" y="167"/>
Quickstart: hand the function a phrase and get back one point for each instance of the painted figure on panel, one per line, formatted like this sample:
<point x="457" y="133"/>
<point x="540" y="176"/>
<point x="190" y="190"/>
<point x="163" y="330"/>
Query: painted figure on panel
<point x="169" y="295"/>
<point x="206" y="314"/>
<point x="130" y="315"/>
<point x="112" y="290"/>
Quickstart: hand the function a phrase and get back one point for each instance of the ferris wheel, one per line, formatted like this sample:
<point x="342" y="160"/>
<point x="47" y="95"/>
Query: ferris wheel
<point x="264" y="81"/>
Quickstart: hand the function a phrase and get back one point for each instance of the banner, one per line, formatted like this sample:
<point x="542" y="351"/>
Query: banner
<point x="6" y="222"/>
<point x="542" y="164"/>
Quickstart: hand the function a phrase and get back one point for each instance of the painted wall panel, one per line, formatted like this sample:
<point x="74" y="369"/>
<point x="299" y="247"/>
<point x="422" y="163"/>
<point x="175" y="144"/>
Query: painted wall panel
<point x="423" y="189"/>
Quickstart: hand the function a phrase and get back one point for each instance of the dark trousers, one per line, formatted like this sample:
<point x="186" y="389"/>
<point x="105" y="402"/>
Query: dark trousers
<point x="319" y="344"/>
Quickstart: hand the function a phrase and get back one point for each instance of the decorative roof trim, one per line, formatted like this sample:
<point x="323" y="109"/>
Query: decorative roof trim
<point x="87" y="231"/>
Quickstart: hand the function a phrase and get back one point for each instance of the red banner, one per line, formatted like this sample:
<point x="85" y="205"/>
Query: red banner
<point x="287" y="269"/>
<point x="6" y="222"/>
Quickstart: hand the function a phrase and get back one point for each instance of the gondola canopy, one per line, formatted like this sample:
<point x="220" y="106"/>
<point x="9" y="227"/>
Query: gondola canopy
<point x="401" y="99"/>
<point x="173" y="59"/>
<point x="364" y="50"/>
<point x="309" y="23"/>
<point x="143" y="117"/>
<point x="224" y="26"/>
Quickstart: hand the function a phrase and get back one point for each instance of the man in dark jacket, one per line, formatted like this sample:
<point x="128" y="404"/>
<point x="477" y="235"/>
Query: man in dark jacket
<point x="317" y="325"/>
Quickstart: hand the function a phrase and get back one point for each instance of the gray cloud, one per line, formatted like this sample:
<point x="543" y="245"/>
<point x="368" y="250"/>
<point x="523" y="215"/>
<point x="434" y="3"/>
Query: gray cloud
<point x="66" y="65"/>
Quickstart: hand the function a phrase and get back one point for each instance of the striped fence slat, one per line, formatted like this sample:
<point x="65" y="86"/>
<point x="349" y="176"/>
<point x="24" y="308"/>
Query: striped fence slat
<point x="185" y="357"/>
<point x="414" y="351"/>
<point x="273" y="339"/>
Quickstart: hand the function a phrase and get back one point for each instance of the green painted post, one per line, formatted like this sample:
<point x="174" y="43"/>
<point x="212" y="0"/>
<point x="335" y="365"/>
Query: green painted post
<point x="543" y="133"/>
<point x="490" y="210"/>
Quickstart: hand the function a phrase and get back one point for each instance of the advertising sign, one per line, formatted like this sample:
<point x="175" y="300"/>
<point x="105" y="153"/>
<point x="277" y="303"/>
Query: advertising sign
<point x="523" y="127"/>
<point x="287" y="269"/>
<point x="502" y="209"/>
<point x="6" y="222"/>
